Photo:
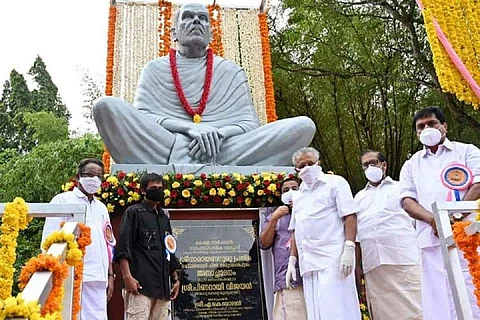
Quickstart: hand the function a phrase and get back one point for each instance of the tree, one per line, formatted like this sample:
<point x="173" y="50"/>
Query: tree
<point x="46" y="126"/>
<point x="93" y="88"/>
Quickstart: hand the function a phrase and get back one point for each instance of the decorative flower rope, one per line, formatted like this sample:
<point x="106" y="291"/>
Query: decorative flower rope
<point x="215" y="14"/>
<point x="15" y="218"/>
<point x="195" y="113"/>
<point x="74" y="254"/>
<point x="16" y="307"/>
<point x="164" y="27"/>
<point x="469" y="245"/>
<point x="267" y="69"/>
<point x="46" y="262"/>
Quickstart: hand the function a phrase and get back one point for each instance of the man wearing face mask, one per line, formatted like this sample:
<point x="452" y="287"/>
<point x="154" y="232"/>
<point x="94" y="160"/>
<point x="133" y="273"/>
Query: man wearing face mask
<point x="425" y="179"/>
<point x="324" y="227"/>
<point x="289" y="304"/>
<point x="98" y="276"/>
<point x="146" y="253"/>
<point x="389" y="252"/>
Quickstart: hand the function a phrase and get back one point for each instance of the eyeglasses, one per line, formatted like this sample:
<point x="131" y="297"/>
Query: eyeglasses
<point x="285" y="190"/>
<point x="373" y="163"/>
<point x="91" y="175"/>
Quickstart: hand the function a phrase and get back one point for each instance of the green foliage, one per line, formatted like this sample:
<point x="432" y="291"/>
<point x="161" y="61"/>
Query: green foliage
<point x="38" y="175"/>
<point x="359" y="70"/>
<point x="46" y="127"/>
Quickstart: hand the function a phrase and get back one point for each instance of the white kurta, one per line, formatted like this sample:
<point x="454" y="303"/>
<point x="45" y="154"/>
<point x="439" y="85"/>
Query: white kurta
<point x="387" y="238"/>
<point x="317" y="219"/>
<point x="96" y="261"/>
<point x="420" y="179"/>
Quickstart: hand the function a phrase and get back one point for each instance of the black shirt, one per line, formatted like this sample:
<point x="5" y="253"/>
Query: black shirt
<point x="141" y="241"/>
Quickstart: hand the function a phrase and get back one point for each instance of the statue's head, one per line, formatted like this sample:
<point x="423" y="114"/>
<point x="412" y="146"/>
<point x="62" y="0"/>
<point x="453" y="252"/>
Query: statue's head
<point x="192" y="25"/>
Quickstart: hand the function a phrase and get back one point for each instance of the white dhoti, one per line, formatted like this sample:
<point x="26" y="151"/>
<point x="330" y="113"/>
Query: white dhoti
<point x="289" y="304"/>
<point x="394" y="292"/>
<point x="94" y="301"/>
<point x="437" y="297"/>
<point x="330" y="296"/>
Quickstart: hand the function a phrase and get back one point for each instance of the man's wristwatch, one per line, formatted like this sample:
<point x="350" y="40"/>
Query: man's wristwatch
<point x="113" y="275"/>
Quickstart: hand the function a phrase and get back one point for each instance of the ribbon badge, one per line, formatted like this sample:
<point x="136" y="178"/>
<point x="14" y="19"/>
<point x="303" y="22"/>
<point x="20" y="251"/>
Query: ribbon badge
<point x="456" y="177"/>
<point x="170" y="245"/>
<point x="109" y="238"/>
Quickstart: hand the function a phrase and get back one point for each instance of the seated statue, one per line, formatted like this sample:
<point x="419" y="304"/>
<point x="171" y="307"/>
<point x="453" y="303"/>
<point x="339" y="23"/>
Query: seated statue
<point x="192" y="107"/>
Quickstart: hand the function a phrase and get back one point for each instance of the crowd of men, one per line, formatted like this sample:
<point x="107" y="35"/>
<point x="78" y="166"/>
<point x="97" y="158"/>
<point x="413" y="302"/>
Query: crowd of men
<point x="325" y="241"/>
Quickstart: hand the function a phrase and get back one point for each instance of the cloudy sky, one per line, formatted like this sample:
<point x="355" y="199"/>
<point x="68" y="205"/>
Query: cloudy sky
<point x="69" y="35"/>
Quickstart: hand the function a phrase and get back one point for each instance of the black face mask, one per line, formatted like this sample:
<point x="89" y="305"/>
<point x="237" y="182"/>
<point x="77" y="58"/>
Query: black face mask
<point x="155" y="195"/>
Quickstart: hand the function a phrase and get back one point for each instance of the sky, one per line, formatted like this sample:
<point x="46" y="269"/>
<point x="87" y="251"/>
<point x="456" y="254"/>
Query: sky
<point x="70" y="36"/>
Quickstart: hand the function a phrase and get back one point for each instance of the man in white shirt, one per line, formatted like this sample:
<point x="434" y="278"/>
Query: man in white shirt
<point x="389" y="251"/>
<point x="98" y="276"/>
<point x="324" y="227"/>
<point x="423" y="181"/>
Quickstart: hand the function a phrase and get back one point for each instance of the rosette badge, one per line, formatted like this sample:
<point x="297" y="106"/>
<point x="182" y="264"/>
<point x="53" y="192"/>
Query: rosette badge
<point x="456" y="177"/>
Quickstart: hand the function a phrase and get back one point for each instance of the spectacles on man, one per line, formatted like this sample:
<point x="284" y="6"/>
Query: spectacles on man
<point x="373" y="163"/>
<point x="91" y="175"/>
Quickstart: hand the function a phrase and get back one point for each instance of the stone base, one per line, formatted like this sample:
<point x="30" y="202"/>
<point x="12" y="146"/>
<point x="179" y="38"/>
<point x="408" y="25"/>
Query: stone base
<point x="197" y="169"/>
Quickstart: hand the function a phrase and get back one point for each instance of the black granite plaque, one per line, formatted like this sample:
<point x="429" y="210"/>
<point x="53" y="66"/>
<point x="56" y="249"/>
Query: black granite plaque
<point x="221" y="276"/>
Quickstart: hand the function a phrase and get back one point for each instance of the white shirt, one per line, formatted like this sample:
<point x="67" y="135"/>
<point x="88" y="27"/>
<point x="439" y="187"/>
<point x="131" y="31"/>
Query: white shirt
<point x="95" y="262"/>
<point x="317" y="219"/>
<point x="420" y="179"/>
<point x="385" y="231"/>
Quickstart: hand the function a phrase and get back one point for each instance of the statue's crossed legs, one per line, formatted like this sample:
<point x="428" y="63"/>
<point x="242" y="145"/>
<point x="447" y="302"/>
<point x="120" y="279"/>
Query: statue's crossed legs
<point x="134" y="138"/>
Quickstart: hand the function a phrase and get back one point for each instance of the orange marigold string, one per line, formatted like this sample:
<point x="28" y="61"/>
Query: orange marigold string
<point x="164" y="27"/>
<point x="112" y="20"/>
<point x="215" y="21"/>
<point x="106" y="160"/>
<point x="46" y="262"/>
<point x="469" y="245"/>
<point x="267" y="69"/>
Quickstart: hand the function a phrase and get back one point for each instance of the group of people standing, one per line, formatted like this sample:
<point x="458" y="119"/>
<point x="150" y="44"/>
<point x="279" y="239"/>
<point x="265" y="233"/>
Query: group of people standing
<point x="325" y="242"/>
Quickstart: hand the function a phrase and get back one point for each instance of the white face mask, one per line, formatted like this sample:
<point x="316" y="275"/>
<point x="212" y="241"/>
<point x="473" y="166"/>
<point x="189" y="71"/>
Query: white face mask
<point x="287" y="197"/>
<point x="374" y="174"/>
<point x="90" y="184"/>
<point x="310" y="174"/>
<point x="430" y="137"/>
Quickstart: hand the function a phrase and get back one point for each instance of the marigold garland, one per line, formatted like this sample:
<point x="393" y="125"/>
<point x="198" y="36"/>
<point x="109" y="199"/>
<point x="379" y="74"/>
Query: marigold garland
<point x="15" y="218"/>
<point x="267" y="69"/>
<point x="74" y="254"/>
<point x="106" y="160"/>
<point x="469" y="245"/>
<point x="16" y="307"/>
<point x="164" y="27"/>
<point x="46" y="262"/>
<point x="216" y="44"/>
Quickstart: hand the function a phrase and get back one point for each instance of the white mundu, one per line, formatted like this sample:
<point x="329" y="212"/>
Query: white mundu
<point x="390" y="255"/>
<point x="420" y="179"/>
<point x="317" y="219"/>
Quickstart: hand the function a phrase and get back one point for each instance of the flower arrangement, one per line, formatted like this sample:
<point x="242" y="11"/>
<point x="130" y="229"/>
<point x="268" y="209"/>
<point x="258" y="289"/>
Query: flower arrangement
<point x="15" y="218"/>
<point x="74" y="254"/>
<point x="188" y="190"/>
<point x="469" y="245"/>
<point x="14" y="307"/>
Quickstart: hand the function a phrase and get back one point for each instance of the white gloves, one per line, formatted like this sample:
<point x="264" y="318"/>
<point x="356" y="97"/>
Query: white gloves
<point x="291" y="272"/>
<point x="347" y="260"/>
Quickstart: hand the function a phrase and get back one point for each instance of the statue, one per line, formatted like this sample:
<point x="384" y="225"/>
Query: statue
<point x="192" y="107"/>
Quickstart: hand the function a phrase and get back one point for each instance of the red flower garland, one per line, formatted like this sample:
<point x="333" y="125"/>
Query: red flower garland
<point x="196" y="114"/>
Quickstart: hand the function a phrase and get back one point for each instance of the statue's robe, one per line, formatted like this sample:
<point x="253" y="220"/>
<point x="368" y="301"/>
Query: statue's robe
<point x="137" y="135"/>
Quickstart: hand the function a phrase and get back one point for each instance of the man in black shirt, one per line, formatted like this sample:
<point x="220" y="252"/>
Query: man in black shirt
<point x="146" y="253"/>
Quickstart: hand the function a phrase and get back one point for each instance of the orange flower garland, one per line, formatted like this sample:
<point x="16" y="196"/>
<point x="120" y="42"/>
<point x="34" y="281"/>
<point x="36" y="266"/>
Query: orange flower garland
<point x="164" y="27"/>
<point x="46" y="262"/>
<point x="469" y="245"/>
<point x="215" y="21"/>
<point x="106" y="160"/>
<point x="112" y="20"/>
<point x="83" y="241"/>
<point x="267" y="69"/>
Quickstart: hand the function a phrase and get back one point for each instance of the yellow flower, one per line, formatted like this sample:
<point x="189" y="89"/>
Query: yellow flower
<point x="238" y="177"/>
<point x="215" y="176"/>
<point x="248" y="202"/>
<point x="257" y="182"/>
<point x="126" y="183"/>
<point x="251" y="189"/>
<point x="113" y="180"/>
<point x="188" y="177"/>
<point x="221" y="192"/>
<point x="228" y="185"/>
<point x="131" y="174"/>
<point x="121" y="202"/>
<point x="166" y="192"/>
<point x="193" y="201"/>
<point x="226" y="202"/>
<point x="136" y="196"/>
<point x="166" y="177"/>
<point x="277" y="194"/>
<point x="110" y="207"/>
<point x="272" y="187"/>
<point x="224" y="174"/>
<point x="260" y="192"/>
<point x="129" y="200"/>
<point x="185" y="193"/>
<point x="245" y="193"/>
<point x="231" y="193"/>
<point x="363" y="307"/>
<point x="167" y="201"/>
<point x="105" y="195"/>
<point x="197" y="183"/>
<point x="175" y="185"/>
<point x="213" y="192"/>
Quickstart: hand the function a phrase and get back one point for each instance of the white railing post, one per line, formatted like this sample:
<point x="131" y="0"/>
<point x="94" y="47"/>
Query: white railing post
<point x="450" y="253"/>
